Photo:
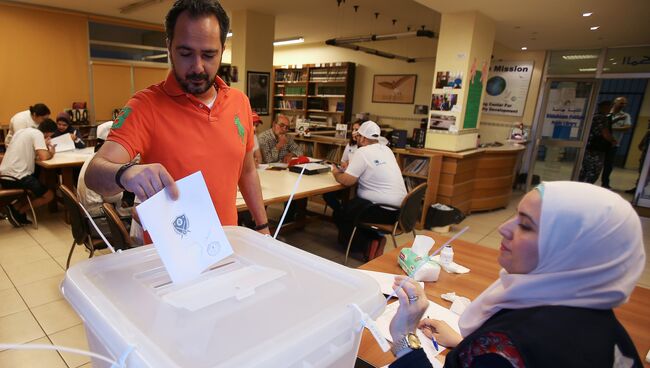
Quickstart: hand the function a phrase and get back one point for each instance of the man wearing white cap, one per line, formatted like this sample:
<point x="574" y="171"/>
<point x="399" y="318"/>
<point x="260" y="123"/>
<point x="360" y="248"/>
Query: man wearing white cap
<point x="374" y="168"/>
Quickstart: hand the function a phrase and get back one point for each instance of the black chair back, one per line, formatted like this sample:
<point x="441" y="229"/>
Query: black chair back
<point x="120" y="238"/>
<point x="78" y="222"/>
<point x="412" y="208"/>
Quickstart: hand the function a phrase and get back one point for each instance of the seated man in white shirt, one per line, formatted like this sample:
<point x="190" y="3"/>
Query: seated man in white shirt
<point x="27" y="119"/>
<point x="27" y="146"/>
<point x="374" y="168"/>
<point x="90" y="199"/>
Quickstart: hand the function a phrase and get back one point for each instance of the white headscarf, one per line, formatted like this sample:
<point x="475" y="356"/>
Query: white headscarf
<point x="591" y="255"/>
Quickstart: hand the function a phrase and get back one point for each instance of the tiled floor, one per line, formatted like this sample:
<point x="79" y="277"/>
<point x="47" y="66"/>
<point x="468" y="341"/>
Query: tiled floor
<point x="32" y="266"/>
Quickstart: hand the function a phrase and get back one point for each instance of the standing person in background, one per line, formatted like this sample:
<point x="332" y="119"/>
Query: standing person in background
<point x="190" y="122"/>
<point x="621" y="122"/>
<point x="599" y="143"/>
<point x="27" y="119"/>
<point x="276" y="145"/>
<point x="643" y="147"/>
<point x="28" y="146"/>
<point x="63" y="127"/>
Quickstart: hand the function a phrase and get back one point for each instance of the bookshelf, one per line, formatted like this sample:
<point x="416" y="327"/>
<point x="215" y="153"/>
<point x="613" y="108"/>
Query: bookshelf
<point x="418" y="168"/>
<point x="322" y="147"/>
<point x="321" y="93"/>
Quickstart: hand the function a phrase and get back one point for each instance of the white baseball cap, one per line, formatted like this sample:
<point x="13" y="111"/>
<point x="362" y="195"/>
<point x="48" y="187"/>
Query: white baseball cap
<point x="371" y="130"/>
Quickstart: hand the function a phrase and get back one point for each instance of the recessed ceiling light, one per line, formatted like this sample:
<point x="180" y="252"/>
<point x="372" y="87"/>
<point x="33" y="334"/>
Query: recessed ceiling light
<point x="587" y="69"/>
<point x="229" y="34"/>
<point x="524" y="48"/>
<point x="587" y="14"/>
<point x="594" y="28"/>
<point x="289" y="41"/>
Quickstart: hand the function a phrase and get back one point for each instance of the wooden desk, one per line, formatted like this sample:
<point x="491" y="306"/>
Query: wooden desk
<point x="485" y="270"/>
<point x="65" y="162"/>
<point x="277" y="186"/>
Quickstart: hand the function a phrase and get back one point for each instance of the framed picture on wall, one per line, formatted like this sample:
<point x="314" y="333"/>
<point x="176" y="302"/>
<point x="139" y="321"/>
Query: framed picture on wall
<point x="395" y="88"/>
<point x="257" y="88"/>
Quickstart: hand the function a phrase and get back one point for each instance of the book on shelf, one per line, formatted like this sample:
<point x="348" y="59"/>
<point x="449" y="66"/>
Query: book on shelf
<point x="341" y="131"/>
<point x="411" y="183"/>
<point x="418" y="166"/>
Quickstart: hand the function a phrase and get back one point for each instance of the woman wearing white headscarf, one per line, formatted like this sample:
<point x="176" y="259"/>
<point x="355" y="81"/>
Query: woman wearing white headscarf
<point x="572" y="254"/>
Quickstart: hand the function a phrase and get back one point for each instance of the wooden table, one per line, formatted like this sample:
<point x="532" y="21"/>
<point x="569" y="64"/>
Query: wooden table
<point x="634" y="315"/>
<point x="278" y="184"/>
<point x="65" y="163"/>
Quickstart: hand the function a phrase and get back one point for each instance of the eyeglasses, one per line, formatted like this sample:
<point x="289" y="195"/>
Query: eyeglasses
<point x="283" y="125"/>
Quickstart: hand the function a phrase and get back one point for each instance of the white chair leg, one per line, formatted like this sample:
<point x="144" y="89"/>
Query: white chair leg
<point x="347" y="251"/>
<point x="35" y="224"/>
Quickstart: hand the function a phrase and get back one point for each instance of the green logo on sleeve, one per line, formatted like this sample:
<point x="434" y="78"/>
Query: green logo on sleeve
<point x="240" y="129"/>
<point x="119" y="120"/>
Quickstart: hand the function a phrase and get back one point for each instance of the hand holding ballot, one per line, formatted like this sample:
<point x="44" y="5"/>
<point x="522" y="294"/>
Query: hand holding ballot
<point x="147" y="180"/>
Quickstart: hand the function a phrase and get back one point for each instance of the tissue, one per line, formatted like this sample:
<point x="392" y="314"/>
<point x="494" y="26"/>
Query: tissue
<point x="415" y="260"/>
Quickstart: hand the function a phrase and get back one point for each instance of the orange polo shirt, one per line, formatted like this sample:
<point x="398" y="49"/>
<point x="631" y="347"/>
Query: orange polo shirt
<point x="168" y="126"/>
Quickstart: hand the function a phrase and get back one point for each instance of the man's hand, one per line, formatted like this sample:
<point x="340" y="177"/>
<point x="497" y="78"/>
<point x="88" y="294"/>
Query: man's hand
<point x="147" y="180"/>
<point x="282" y="141"/>
<point x="73" y="136"/>
<point x="288" y="157"/>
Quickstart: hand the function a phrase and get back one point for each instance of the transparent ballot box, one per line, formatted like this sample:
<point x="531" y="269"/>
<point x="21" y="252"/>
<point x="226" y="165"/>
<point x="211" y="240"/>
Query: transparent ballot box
<point x="268" y="305"/>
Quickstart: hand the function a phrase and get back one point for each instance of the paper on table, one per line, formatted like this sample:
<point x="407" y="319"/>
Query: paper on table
<point x="187" y="232"/>
<point x="63" y="143"/>
<point x="385" y="280"/>
<point x="434" y="311"/>
<point x="453" y="267"/>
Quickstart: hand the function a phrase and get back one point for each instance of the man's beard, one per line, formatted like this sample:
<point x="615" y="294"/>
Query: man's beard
<point x="187" y="85"/>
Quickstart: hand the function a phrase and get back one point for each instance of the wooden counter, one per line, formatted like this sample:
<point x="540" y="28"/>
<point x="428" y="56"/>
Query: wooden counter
<point x="479" y="179"/>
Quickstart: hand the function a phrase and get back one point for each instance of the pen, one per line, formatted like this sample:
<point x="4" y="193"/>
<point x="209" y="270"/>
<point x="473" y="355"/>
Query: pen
<point x="433" y="339"/>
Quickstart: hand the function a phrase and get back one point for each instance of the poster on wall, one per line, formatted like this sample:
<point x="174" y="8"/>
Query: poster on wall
<point x="507" y="88"/>
<point x="476" y="83"/>
<point x="257" y="89"/>
<point x="394" y="88"/>
<point x="443" y="101"/>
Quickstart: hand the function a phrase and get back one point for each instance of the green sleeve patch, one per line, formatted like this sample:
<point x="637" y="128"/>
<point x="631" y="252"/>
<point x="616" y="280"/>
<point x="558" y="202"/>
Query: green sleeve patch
<point x="121" y="117"/>
<point x="240" y="129"/>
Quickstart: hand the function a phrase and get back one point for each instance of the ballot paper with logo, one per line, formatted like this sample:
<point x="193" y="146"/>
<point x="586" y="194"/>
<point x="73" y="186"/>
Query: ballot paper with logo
<point x="187" y="232"/>
<point x="62" y="143"/>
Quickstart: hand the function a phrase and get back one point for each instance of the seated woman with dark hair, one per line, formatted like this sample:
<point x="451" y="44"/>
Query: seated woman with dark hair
<point x="572" y="253"/>
<point x="63" y="127"/>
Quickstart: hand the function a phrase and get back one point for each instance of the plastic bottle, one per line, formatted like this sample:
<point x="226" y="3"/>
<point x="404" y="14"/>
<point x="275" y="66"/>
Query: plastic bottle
<point x="446" y="256"/>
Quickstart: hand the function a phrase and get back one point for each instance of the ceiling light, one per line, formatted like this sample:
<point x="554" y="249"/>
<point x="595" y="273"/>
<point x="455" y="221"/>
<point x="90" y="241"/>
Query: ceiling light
<point x="587" y="69"/>
<point x="289" y="41"/>
<point x="524" y="48"/>
<point x="594" y="28"/>
<point x="229" y="34"/>
<point x="587" y="14"/>
<point x="579" y="57"/>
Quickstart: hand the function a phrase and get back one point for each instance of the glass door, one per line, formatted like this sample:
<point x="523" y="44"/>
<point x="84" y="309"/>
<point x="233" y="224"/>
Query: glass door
<point x="563" y="125"/>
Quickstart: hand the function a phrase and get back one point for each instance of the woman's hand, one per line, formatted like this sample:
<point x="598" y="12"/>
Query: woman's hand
<point x="412" y="305"/>
<point x="441" y="331"/>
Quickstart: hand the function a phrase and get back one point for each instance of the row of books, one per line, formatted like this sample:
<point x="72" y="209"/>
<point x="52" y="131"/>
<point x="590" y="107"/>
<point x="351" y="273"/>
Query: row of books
<point x="327" y="75"/>
<point x="411" y="183"/>
<point x="290" y="90"/>
<point x="289" y="104"/>
<point x="290" y="75"/>
<point x="418" y="166"/>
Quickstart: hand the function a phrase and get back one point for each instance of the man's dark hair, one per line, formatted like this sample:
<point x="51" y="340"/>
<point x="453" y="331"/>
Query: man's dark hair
<point x="47" y="126"/>
<point x="39" y="109"/>
<point x="197" y="8"/>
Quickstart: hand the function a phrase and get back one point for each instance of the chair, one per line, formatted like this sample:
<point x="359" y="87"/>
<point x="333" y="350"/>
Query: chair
<point x="79" y="224"/>
<point x="120" y="238"/>
<point x="407" y="218"/>
<point x="8" y="195"/>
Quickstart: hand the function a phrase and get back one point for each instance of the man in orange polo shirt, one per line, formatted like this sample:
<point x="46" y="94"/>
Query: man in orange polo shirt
<point x="191" y="121"/>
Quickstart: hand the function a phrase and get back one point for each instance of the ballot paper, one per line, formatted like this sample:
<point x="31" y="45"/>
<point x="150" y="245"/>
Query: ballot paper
<point x="187" y="232"/>
<point x="62" y="143"/>
<point x="385" y="280"/>
<point x="434" y="311"/>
